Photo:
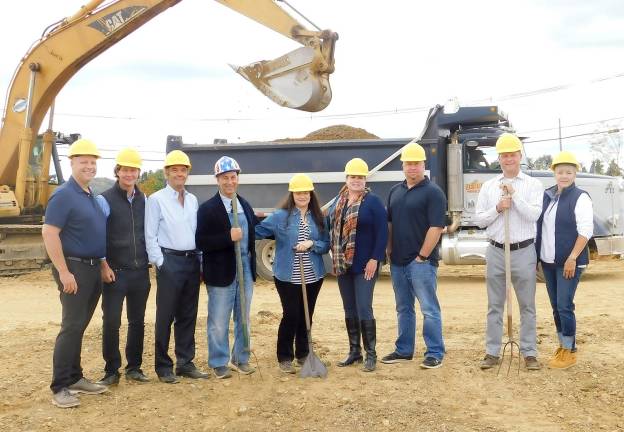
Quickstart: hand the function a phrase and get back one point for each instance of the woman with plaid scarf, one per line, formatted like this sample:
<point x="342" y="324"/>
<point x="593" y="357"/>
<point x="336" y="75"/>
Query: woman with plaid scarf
<point x="358" y="234"/>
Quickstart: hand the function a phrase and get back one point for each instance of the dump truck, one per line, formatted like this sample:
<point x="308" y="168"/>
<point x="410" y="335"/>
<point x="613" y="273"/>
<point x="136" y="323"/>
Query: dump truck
<point x="461" y="156"/>
<point x="298" y="80"/>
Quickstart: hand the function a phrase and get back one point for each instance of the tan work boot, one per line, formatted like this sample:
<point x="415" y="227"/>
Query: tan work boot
<point x="555" y="357"/>
<point x="566" y="359"/>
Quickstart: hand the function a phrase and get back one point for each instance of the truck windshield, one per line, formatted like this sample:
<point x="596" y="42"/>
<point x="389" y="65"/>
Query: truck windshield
<point x="482" y="158"/>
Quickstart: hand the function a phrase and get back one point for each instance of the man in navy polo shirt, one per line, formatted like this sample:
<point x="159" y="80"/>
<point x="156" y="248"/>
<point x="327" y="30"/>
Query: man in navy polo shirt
<point x="74" y="235"/>
<point x="416" y="216"/>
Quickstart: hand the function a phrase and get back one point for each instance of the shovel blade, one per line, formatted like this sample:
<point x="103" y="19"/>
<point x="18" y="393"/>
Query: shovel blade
<point x="313" y="367"/>
<point x="291" y="80"/>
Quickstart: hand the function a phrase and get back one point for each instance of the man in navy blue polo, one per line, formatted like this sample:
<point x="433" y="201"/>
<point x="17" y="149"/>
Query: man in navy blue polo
<point x="74" y="235"/>
<point x="416" y="218"/>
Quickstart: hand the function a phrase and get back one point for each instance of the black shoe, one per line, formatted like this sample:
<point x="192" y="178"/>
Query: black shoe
<point x="394" y="357"/>
<point x="110" y="379"/>
<point x="192" y="373"/>
<point x="355" y="352"/>
<point x="431" y="363"/>
<point x="168" y="379"/>
<point x="136" y="375"/>
<point x="369" y="337"/>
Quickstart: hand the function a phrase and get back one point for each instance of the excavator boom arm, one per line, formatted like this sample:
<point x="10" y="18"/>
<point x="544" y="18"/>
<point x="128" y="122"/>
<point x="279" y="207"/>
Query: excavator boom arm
<point x="66" y="48"/>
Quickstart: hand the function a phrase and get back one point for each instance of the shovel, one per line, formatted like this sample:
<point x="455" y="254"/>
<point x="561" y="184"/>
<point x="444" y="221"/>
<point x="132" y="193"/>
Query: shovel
<point x="313" y="366"/>
<point x="510" y="338"/>
<point x="241" y="285"/>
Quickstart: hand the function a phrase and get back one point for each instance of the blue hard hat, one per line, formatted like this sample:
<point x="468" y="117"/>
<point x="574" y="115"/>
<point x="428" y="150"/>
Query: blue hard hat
<point x="226" y="164"/>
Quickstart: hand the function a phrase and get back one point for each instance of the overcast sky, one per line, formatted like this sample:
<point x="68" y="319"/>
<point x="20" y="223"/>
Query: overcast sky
<point x="171" y="76"/>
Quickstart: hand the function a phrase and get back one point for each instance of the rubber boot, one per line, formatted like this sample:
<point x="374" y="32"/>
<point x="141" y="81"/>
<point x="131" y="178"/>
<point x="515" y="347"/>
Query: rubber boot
<point x="355" y="352"/>
<point x="369" y="337"/>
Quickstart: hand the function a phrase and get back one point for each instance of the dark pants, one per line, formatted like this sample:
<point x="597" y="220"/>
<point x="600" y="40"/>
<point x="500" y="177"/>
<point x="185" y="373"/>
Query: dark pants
<point x="77" y="312"/>
<point x="134" y="286"/>
<point x="561" y="294"/>
<point x="357" y="295"/>
<point x="176" y="302"/>
<point x="293" y="325"/>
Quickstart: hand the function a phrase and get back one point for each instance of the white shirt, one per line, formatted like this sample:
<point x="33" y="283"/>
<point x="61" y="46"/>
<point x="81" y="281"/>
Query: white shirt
<point x="526" y="207"/>
<point x="584" y="214"/>
<point x="168" y="224"/>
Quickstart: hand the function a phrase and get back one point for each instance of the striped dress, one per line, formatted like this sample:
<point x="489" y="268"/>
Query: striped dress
<point x="308" y="271"/>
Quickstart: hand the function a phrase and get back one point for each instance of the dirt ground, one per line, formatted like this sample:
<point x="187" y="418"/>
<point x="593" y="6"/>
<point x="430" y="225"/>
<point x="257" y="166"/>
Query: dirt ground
<point x="456" y="397"/>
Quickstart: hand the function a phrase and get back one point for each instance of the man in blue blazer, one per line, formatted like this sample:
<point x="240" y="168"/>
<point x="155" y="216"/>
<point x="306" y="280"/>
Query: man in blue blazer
<point x="216" y="237"/>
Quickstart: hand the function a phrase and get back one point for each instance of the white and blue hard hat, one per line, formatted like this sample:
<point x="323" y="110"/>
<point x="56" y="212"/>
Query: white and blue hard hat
<point x="226" y="164"/>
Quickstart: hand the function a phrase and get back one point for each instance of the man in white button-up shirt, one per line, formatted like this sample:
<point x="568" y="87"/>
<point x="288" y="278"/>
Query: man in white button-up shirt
<point x="521" y="195"/>
<point x="170" y="223"/>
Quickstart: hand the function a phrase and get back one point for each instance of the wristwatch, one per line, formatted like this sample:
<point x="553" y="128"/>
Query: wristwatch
<point x="423" y="258"/>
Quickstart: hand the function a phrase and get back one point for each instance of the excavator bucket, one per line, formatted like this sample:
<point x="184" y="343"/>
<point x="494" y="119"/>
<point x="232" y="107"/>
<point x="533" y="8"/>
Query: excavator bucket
<point x="291" y="81"/>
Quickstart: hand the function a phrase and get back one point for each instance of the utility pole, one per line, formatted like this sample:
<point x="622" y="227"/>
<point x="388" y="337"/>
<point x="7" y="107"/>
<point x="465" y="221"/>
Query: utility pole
<point x="560" y="143"/>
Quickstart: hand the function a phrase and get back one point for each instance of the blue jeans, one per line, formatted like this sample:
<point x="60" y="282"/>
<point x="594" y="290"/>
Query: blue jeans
<point x="357" y="295"/>
<point x="417" y="280"/>
<point x="561" y="294"/>
<point x="222" y="301"/>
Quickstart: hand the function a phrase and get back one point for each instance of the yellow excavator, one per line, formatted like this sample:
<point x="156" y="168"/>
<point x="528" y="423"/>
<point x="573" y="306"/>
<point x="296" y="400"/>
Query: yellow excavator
<point x="298" y="80"/>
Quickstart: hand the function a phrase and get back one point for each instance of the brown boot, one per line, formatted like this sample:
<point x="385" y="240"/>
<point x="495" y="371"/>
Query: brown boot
<point x="566" y="359"/>
<point x="531" y="363"/>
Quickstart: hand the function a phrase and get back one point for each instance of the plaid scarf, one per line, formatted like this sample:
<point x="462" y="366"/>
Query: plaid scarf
<point x="343" y="233"/>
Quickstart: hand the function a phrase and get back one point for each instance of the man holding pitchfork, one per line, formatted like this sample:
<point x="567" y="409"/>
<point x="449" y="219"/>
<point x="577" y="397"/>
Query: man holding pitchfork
<point x="520" y="195"/>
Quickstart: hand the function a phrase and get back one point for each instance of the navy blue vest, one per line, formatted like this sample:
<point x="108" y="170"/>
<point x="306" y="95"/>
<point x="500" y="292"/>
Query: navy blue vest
<point x="565" y="224"/>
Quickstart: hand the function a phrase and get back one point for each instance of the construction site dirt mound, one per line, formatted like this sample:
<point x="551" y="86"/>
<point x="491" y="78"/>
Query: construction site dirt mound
<point x="335" y="132"/>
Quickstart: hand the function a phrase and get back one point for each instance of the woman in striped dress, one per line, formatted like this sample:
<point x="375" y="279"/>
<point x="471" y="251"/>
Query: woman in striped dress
<point x="299" y="229"/>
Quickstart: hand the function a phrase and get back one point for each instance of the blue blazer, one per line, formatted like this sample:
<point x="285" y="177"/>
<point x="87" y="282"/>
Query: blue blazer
<point x="213" y="239"/>
<point x="371" y="236"/>
<point x="284" y="226"/>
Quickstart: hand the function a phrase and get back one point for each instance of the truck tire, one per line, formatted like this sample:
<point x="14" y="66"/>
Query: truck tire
<point x="265" y="254"/>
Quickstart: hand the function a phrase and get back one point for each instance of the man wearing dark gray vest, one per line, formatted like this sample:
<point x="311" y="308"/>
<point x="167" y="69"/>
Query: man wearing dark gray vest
<point x="124" y="270"/>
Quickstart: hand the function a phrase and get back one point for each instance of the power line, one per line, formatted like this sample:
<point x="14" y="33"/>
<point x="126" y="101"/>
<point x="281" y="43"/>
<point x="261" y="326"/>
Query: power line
<point x="610" y="131"/>
<point x="357" y="114"/>
<point x="571" y="126"/>
<point x="112" y="158"/>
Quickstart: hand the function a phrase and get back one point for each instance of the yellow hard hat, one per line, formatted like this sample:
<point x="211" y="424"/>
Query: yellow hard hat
<point x="565" y="157"/>
<point x="300" y="183"/>
<point x="129" y="157"/>
<point x="508" y="143"/>
<point x="356" y="167"/>
<point x="413" y="152"/>
<point x="177" y="157"/>
<point x="83" y="147"/>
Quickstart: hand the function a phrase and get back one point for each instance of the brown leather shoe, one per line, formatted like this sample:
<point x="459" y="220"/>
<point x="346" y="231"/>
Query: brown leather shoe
<point x="489" y="361"/>
<point x="531" y="363"/>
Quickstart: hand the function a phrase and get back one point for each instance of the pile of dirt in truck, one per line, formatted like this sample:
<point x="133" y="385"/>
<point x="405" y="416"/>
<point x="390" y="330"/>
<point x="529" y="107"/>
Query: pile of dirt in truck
<point x="335" y="132"/>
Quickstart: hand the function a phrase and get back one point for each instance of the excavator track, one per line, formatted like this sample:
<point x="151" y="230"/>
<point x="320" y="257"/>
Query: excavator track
<point x="21" y="249"/>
